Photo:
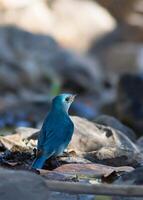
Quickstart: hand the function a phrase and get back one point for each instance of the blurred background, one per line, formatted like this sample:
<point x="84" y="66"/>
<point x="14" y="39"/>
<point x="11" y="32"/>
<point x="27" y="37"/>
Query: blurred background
<point x="92" y="48"/>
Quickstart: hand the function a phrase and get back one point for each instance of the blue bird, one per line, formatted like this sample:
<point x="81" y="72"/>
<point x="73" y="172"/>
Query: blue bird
<point x="56" y="132"/>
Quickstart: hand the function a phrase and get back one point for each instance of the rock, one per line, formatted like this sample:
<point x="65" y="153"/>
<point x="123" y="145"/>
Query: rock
<point x="27" y="59"/>
<point x="91" y="170"/>
<point x="61" y="19"/>
<point x="130" y="14"/>
<point x="71" y="158"/>
<point x="19" y="140"/>
<point x="58" y="176"/>
<point x="25" y="133"/>
<point x="25" y="185"/>
<point x="133" y="177"/>
<point x="103" y="144"/>
<point x="100" y="143"/>
<point x="22" y="185"/>
<point x="84" y="110"/>
<point x="122" y="34"/>
<point x="130" y="178"/>
<point x="111" y="49"/>
<point x="120" y="14"/>
<point x="116" y="124"/>
<point x="86" y="105"/>
<point x="65" y="196"/>
<point x="130" y="62"/>
<point x="84" y="173"/>
<point x="124" y="42"/>
<point x="139" y="143"/>
<point x="129" y="101"/>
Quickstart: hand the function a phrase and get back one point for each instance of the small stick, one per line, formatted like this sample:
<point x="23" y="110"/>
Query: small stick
<point x="96" y="189"/>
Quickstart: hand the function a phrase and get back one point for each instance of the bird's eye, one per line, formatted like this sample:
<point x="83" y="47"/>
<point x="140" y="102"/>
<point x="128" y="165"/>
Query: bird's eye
<point x="67" y="99"/>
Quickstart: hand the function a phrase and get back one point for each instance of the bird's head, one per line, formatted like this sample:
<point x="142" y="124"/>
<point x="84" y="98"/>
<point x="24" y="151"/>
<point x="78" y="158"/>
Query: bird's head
<point x="63" y="101"/>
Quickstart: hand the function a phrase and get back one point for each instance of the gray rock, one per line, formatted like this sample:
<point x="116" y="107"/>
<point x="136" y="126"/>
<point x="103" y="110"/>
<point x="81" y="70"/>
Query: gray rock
<point x="25" y="185"/>
<point x="25" y="132"/>
<point x="139" y="143"/>
<point x="116" y="124"/>
<point x="20" y="140"/>
<point x="134" y="177"/>
<point x="129" y="102"/>
<point x="90" y="170"/>
<point x="22" y="185"/>
<point x="103" y="144"/>
<point x="62" y="19"/>
<point x="27" y="59"/>
<point x="120" y="15"/>
<point x="100" y="143"/>
<point x="126" y="198"/>
<point x="63" y="196"/>
<point x="129" y="55"/>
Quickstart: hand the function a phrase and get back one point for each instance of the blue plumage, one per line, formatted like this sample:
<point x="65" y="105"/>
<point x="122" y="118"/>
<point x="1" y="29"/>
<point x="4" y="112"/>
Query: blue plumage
<point x="56" y="131"/>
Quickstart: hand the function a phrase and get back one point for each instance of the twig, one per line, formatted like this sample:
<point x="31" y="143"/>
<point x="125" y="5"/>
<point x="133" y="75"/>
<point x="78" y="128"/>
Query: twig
<point x="101" y="189"/>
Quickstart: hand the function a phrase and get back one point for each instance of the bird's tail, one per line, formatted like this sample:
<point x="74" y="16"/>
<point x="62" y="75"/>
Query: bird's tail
<point x="39" y="162"/>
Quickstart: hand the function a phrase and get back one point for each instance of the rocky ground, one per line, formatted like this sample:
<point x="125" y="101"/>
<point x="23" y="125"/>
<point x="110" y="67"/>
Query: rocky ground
<point x="97" y="154"/>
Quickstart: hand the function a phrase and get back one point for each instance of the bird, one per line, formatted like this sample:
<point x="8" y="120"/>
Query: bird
<point x="56" y="131"/>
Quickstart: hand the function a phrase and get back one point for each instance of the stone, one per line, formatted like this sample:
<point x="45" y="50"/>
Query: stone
<point x="58" y="176"/>
<point x="22" y="185"/>
<point x="65" y="196"/>
<point x="70" y="157"/>
<point x="25" y="132"/>
<point x="116" y="124"/>
<point x="120" y="14"/>
<point x="28" y="59"/>
<point x="103" y="144"/>
<point x="110" y="49"/>
<point x="61" y="19"/>
<point x="91" y="169"/>
<point x="133" y="177"/>
<point x="139" y="143"/>
<point x="130" y="178"/>
<point x="124" y="44"/>
<point x="100" y="143"/>
<point x="19" y="140"/>
<point x="25" y="185"/>
<point x="129" y="101"/>
<point x="130" y="14"/>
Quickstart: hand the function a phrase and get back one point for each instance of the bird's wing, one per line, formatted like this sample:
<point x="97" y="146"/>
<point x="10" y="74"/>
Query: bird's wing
<point x="54" y="133"/>
<point x="59" y="134"/>
<point x="43" y="137"/>
<point x="46" y="132"/>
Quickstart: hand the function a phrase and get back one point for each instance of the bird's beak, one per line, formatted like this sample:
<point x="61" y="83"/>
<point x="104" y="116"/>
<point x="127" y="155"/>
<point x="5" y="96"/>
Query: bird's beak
<point x="72" y="97"/>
